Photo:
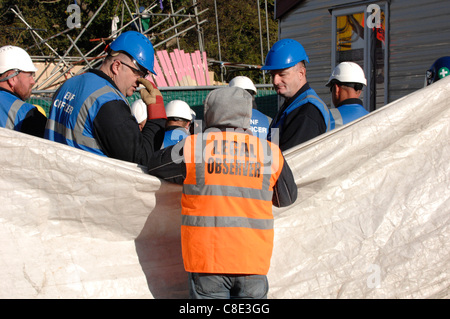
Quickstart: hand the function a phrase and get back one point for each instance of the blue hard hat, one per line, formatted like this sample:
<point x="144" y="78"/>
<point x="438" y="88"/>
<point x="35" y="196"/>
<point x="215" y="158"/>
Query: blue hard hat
<point x="138" y="47"/>
<point x="284" y="54"/>
<point x="440" y="69"/>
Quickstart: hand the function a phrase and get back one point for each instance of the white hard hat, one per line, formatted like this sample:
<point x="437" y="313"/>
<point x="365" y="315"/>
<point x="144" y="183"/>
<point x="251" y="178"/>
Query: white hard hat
<point x="12" y="57"/>
<point x="180" y="109"/>
<point x="243" y="82"/>
<point x="193" y="114"/>
<point x="139" y="110"/>
<point x="347" y="72"/>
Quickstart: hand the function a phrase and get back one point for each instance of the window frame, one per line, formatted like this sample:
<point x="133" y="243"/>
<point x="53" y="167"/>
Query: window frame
<point x="358" y="8"/>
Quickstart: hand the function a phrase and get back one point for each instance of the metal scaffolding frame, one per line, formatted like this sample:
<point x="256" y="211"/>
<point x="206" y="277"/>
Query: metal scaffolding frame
<point x="67" y="65"/>
<point x="64" y="64"/>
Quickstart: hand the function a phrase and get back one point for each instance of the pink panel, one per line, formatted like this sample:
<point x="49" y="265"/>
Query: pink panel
<point x="171" y="70"/>
<point x="195" y="67"/>
<point x="159" y="77"/>
<point x="165" y="68"/>
<point x="177" y="68"/>
<point x="181" y="65"/>
<point x="188" y="65"/>
<point x="201" y="71"/>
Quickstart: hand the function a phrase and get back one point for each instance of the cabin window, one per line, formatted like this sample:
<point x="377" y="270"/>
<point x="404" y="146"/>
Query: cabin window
<point x="360" y="35"/>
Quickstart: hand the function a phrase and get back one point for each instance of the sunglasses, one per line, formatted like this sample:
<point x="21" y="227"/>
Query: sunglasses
<point x="136" y="71"/>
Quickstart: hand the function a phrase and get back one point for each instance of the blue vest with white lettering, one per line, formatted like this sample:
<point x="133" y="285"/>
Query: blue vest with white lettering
<point x="345" y="114"/>
<point x="172" y="137"/>
<point x="259" y="124"/>
<point x="74" y="108"/>
<point x="13" y="110"/>
<point x="309" y="96"/>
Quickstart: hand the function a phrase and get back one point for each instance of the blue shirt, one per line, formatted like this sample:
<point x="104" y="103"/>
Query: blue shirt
<point x="173" y="135"/>
<point x="346" y="112"/>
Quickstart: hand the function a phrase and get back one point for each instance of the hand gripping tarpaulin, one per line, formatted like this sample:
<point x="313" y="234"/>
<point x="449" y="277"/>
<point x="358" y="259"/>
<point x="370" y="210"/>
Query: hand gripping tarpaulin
<point x="371" y="219"/>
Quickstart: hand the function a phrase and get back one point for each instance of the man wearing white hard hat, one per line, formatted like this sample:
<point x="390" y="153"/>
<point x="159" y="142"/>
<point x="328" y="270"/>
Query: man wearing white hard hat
<point x="346" y="83"/>
<point x="177" y="125"/>
<point x="259" y="123"/>
<point x="16" y="81"/>
<point x="179" y="119"/>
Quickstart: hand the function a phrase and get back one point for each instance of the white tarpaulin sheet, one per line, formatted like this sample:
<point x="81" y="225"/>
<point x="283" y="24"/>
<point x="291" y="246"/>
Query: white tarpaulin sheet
<point x="371" y="219"/>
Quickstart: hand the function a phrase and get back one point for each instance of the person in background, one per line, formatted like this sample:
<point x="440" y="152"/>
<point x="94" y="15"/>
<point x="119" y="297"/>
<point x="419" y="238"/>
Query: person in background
<point x="91" y="111"/>
<point x="346" y="83"/>
<point x="179" y="119"/>
<point x="139" y="110"/>
<point x="303" y="114"/>
<point x="230" y="179"/>
<point x="259" y="123"/>
<point x="16" y="81"/>
<point x="439" y="70"/>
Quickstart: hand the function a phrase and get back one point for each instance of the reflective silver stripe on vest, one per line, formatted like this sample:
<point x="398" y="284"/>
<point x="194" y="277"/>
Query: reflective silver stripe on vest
<point x="337" y="117"/>
<point x="234" y="191"/>
<point x="15" y="107"/>
<point x="219" y="221"/>
<point x="77" y="133"/>
<point x="73" y="135"/>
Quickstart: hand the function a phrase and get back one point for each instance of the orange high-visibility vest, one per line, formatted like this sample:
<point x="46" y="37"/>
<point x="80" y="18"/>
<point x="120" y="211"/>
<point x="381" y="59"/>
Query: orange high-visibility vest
<point x="227" y="220"/>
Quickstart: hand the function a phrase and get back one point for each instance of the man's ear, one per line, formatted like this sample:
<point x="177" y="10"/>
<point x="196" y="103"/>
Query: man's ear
<point x="11" y="81"/>
<point x="302" y="69"/>
<point x="115" y="67"/>
<point x="337" y="90"/>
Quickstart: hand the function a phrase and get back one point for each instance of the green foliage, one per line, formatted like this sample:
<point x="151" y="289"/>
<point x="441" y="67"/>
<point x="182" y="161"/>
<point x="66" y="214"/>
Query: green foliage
<point x="239" y="30"/>
<point x="49" y="18"/>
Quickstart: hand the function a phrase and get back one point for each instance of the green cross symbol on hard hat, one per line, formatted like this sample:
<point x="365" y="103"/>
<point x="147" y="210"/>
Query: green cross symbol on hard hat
<point x="443" y="72"/>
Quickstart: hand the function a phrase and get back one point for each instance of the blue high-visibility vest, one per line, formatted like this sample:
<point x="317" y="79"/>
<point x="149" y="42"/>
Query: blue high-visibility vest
<point x="74" y="108"/>
<point x="259" y="124"/>
<point x="13" y="110"/>
<point x="309" y="96"/>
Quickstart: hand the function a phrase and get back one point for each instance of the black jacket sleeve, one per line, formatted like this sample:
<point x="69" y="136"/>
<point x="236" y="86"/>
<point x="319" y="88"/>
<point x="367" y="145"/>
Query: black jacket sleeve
<point x="119" y="136"/>
<point x="301" y="125"/>
<point x="285" y="190"/>
<point x="168" y="164"/>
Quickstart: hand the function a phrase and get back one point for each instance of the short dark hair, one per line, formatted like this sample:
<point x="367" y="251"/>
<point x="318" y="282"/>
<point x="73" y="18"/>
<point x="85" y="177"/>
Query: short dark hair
<point x="178" y="119"/>
<point x="355" y="86"/>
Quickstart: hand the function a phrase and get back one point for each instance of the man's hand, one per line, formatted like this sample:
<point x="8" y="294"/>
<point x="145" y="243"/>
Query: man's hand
<point x="152" y="97"/>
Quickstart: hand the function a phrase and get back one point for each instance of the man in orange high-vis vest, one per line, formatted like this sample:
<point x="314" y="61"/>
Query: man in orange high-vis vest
<point x="230" y="181"/>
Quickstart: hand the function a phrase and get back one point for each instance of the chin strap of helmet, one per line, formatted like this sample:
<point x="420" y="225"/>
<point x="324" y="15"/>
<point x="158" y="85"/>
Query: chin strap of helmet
<point x="16" y="72"/>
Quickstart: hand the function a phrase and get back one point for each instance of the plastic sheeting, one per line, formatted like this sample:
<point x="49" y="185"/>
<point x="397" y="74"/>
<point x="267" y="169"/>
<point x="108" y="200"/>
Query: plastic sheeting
<point x="371" y="219"/>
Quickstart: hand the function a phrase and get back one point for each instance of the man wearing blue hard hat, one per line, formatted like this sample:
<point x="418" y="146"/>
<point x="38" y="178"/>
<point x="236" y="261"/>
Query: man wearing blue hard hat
<point x="439" y="70"/>
<point x="91" y="112"/>
<point x="303" y="114"/>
